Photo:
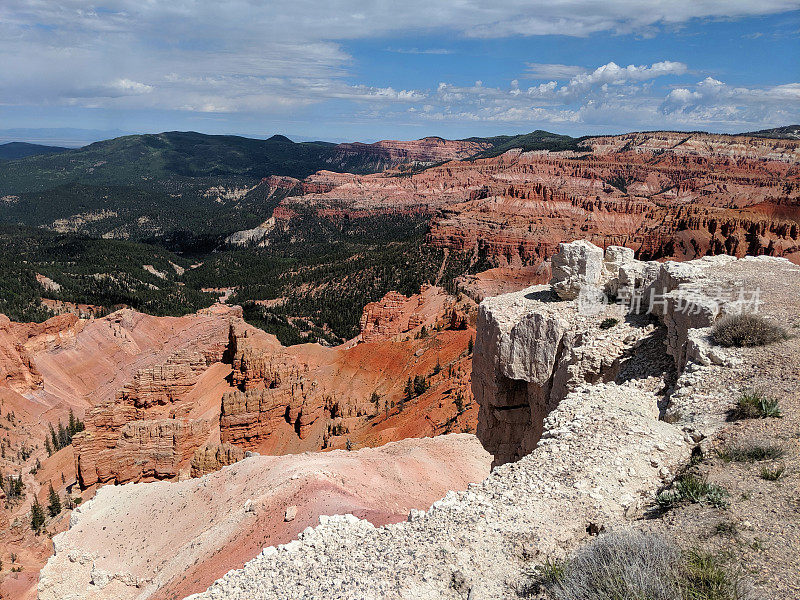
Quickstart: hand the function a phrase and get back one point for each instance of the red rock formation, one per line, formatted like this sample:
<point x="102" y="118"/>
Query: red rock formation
<point x="396" y="314"/>
<point x="388" y="154"/>
<point x="309" y="397"/>
<point x="128" y="438"/>
<point x="156" y="421"/>
<point x="213" y="457"/>
<point x="665" y="194"/>
<point x="119" y="448"/>
<point x="19" y="343"/>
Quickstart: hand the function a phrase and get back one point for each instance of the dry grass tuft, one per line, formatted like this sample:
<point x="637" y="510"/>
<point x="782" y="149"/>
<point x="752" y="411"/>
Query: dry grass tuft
<point x="635" y="566"/>
<point x="746" y="330"/>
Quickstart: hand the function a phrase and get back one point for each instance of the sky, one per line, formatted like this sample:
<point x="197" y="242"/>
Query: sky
<point x="74" y="71"/>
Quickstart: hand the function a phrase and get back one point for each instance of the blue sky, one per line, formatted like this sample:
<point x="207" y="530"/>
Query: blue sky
<point x="367" y="70"/>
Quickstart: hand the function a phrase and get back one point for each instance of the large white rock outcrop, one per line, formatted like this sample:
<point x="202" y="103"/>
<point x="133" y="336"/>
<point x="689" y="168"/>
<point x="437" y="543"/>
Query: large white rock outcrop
<point x="536" y="346"/>
<point x="576" y="265"/>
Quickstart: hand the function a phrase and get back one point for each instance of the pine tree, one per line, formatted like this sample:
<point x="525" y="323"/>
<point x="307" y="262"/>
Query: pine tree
<point x="37" y="516"/>
<point x="48" y="446"/>
<point x="54" y="438"/>
<point x="54" y="507"/>
<point x="408" y="391"/>
<point x="420" y="385"/>
<point x="71" y="426"/>
<point x="63" y="437"/>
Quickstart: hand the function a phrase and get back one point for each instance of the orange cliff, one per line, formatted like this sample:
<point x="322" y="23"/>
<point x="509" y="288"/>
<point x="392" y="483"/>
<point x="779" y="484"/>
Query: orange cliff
<point x="310" y="397"/>
<point x="158" y="398"/>
<point x="387" y="154"/>
<point x="205" y="405"/>
<point x="169" y="398"/>
<point x="63" y="364"/>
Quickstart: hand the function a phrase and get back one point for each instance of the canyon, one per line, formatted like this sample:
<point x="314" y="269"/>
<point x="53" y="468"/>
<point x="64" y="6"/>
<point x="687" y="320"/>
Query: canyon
<point x="177" y="398"/>
<point x="571" y="412"/>
<point x="428" y="454"/>
<point x="572" y="424"/>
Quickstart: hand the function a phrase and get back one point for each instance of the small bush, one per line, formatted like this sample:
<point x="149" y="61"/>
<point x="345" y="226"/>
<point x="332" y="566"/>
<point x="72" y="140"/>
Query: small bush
<point x="637" y="566"/>
<point x="726" y="528"/>
<point x="692" y="489"/>
<point x="772" y="473"/>
<point x="608" y="323"/>
<point x="621" y="566"/>
<point x="708" y="579"/>
<point x="551" y="572"/>
<point x="746" y="330"/>
<point x="755" y="405"/>
<point x="750" y="452"/>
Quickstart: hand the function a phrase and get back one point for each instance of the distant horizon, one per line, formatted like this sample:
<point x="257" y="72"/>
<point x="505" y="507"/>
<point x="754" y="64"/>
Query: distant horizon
<point x="49" y="137"/>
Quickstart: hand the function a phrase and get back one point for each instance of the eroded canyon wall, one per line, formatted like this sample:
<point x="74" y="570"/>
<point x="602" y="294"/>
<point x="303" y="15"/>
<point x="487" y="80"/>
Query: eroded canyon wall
<point x="664" y="194"/>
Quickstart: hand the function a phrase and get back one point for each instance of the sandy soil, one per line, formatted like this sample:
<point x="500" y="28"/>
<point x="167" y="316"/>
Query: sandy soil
<point x="227" y="517"/>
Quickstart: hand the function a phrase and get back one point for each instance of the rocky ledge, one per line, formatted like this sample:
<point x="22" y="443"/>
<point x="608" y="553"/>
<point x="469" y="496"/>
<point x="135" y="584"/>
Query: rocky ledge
<point x="571" y="379"/>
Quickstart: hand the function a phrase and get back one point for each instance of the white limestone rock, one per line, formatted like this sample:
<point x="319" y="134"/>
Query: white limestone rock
<point x="577" y="264"/>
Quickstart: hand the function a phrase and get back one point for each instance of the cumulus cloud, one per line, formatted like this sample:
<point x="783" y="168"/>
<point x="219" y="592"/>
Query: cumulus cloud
<point x="711" y="100"/>
<point x="602" y="80"/>
<point x="615" y="94"/>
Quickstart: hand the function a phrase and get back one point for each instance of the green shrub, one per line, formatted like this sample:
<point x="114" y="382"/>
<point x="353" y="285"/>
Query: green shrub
<point x="746" y="330"/>
<point x="772" y="473"/>
<point x="708" y="579"/>
<point x="608" y="323"/>
<point x="755" y="405"/>
<point x="689" y="488"/>
<point x="636" y="566"/>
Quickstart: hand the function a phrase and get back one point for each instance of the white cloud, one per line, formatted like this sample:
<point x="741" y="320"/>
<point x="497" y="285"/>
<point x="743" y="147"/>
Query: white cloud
<point x="128" y="86"/>
<point x="613" y="74"/>
<point x="616" y="94"/>
<point x="552" y="71"/>
<point x="712" y="101"/>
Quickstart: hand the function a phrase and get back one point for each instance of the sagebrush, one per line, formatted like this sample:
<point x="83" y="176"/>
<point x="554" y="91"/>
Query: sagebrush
<point x="637" y="566"/>
<point x="746" y="330"/>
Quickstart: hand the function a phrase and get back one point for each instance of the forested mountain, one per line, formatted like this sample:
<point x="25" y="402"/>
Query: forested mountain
<point x="167" y="186"/>
<point x="165" y="159"/>
<point x="788" y="132"/>
<point x="75" y="268"/>
<point x="15" y="150"/>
